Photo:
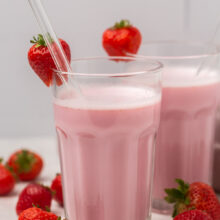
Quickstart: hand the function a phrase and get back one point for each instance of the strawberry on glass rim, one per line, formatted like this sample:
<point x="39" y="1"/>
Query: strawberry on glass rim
<point x="122" y="39"/>
<point x="41" y="61"/>
<point x="196" y="195"/>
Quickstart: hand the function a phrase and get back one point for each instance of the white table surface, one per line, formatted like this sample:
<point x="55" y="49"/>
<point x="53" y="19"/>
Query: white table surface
<point x="46" y="147"/>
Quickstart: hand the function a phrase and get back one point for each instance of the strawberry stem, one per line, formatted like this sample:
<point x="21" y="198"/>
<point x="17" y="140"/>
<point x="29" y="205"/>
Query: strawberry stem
<point x="39" y="41"/>
<point x="122" y="24"/>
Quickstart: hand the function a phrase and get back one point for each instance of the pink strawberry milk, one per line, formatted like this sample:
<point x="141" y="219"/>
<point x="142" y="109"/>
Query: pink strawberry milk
<point x="185" y="139"/>
<point x="190" y="97"/>
<point x="106" y="144"/>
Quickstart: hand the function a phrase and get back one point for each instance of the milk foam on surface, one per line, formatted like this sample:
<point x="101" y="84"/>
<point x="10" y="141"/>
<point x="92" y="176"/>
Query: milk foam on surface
<point x="108" y="98"/>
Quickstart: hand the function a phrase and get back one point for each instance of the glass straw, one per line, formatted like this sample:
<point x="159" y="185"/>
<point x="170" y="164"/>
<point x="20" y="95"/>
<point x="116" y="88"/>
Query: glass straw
<point x="214" y="40"/>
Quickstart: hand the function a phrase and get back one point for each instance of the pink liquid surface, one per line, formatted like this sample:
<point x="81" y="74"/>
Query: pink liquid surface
<point x="106" y="155"/>
<point x="185" y="139"/>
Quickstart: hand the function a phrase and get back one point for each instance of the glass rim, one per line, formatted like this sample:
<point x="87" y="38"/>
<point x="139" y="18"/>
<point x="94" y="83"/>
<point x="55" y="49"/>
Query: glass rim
<point x="157" y="66"/>
<point x="179" y="57"/>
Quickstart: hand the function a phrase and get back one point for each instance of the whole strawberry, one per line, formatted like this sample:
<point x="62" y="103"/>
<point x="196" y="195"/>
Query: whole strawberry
<point x="193" y="215"/>
<point x="34" y="194"/>
<point x="56" y="187"/>
<point x="41" y="61"/>
<point x="26" y="165"/>
<point x="7" y="180"/>
<point x="121" y="39"/>
<point x="194" y="196"/>
<point x="37" y="214"/>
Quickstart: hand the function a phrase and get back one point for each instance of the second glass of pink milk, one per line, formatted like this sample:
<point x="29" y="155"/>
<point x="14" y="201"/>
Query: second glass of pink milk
<point x="106" y="137"/>
<point x="184" y="147"/>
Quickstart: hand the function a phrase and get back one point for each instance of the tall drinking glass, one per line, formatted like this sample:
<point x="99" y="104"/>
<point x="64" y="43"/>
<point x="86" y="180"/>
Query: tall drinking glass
<point x="106" y="137"/>
<point x="185" y="139"/>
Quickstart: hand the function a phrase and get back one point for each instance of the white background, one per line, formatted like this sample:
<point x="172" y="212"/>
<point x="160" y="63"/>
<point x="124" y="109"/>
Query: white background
<point x="25" y="108"/>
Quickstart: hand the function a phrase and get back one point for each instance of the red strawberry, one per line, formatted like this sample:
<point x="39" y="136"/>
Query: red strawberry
<point x="34" y="194"/>
<point x="194" y="196"/>
<point x="26" y="164"/>
<point x="193" y="215"/>
<point x="37" y="214"/>
<point x="7" y="180"/>
<point x="41" y="61"/>
<point x="121" y="39"/>
<point x="56" y="187"/>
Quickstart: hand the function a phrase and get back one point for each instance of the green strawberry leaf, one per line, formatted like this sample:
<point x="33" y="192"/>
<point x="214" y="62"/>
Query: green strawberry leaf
<point x="179" y="197"/>
<point x="187" y="201"/>
<point x="25" y="160"/>
<point x="174" y="195"/>
<point x="47" y="208"/>
<point x="174" y="211"/>
<point x="124" y="23"/>
<point x="36" y="205"/>
<point x="183" y="187"/>
<point x="39" y="41"/>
